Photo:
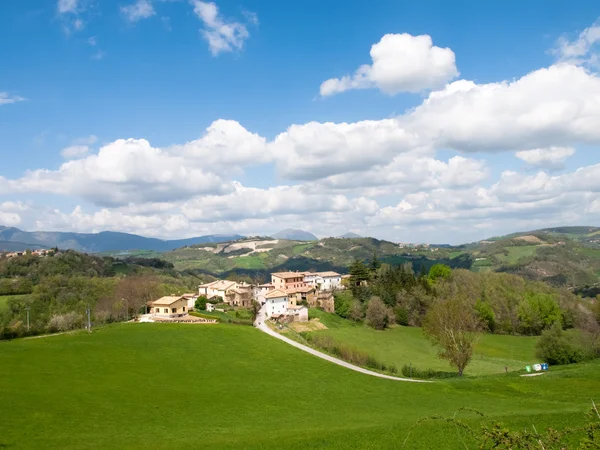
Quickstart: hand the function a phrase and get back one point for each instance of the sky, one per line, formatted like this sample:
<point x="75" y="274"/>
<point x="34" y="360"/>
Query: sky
<point x="430" y="121"/>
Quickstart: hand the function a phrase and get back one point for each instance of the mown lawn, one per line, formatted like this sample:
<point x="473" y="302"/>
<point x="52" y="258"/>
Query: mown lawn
<point x="407" y="345"/>
<point x="218" y="386"/>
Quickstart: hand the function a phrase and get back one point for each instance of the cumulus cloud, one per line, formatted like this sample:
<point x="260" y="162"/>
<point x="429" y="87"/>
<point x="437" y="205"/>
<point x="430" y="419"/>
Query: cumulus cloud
<point x="555" y="106"/>
<point x="141" y="9"/>
<point x="7" y="99"/>
<point x="74" y="151"/>
<point x="401" y="63"/>
<point x="316" y="150"/>
<point x="581" y="50"/>
<point x="549" y="158"/>
<point x="245" y="203"/>
<point x="222" y="34"/>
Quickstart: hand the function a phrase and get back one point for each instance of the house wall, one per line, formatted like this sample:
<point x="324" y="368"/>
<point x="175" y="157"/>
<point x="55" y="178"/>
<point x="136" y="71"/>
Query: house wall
<point x="288" y="283"/>
<point x="276" y="306"/>
<point x="180" y="307"/>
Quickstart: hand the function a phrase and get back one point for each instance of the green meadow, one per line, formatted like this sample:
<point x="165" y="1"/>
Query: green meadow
<point x="223" y="386"/>
<point x="407" y="345"/>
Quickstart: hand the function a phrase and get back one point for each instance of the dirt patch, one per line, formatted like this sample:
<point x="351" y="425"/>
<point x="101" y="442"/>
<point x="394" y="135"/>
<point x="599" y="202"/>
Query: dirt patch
<point x="311" y="325"/>
<point x="530" y="239"/>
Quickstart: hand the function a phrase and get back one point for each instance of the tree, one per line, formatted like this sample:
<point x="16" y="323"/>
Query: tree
<point x="135" y="291"/>
<point x="375" y="265"/>
<point x="377" y="314"/>
<point x="356" y="311"/>
<point x="358" y="273"/>
<point x="439" y="271"/>
<point x="555" y="347"/>
<point x="538" y="312"/>
<point x="200" y="304"/>
<point x="451" y="325"/>
<point x="486" y="314"/>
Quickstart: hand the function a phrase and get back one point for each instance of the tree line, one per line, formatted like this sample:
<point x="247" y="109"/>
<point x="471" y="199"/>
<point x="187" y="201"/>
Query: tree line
<point x="55" y="291"/>
<point x="455" y="306"/>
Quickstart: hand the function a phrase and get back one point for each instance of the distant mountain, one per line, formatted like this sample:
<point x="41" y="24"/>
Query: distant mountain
<point x="350" y="235"/>
<point x="13" y="239"/>
<point x="295" y="235"/>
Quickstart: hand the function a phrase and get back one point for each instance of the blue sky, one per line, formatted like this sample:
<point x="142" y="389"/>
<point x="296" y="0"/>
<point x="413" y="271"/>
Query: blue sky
<point x="422" y="145"/>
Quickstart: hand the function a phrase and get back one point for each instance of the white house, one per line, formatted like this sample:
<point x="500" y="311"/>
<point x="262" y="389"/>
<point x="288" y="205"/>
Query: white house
<point x="217" y="288"/>
<point x="276" y="303"/>
<point x="261" y="290"/>
<point x="324" y="281"/>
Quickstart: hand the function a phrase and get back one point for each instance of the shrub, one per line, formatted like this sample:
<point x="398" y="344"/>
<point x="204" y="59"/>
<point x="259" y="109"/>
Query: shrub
<point x="556" y="348"/>
<point x="401" y="315"/>
<point x="377" y="314"/>
<point x="356" y="312"/>
<point x="65" y="322"/>
<point x="538" y="312"/>
<point x="200" y="304"/>
<point x="413" y="372"/>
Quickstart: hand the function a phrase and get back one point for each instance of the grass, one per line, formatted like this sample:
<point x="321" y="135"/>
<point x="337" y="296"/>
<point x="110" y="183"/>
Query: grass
<point x="5" y="298"/>
<point x="407" y="345"/>
<point x="192" y="386"/>
<point x="250" y="262"/>
<point x="517" y="253"/>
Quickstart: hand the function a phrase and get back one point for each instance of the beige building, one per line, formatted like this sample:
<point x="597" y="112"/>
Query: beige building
<point x="218" y="288"/>
<point x="296" y="296"/>
<point x="170" y="306"/>
<point x="288" y="280"/>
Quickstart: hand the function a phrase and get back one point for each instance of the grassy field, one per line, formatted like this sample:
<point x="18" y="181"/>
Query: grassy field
<point x="219" y="386"/>
<point x="516" y="253"/>
<point x="407" y="345"/>
<point x="5" y="298"/>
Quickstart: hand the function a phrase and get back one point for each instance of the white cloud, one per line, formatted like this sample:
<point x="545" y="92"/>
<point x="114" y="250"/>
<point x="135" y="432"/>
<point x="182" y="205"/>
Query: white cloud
<point x="222" y="35"/>
<point x="253" y="203"/>
<point x="67" y="6"/>
<point x="132" y="171"/>
<point x="583" y="49"/>
<point x="401" y="63"/>
<point x="141" y="9"/>
<point x="75" y="151"/>
<point x="92" y="41"/>
<point x="556" y="106"/>
<point x="88" y="140"/>
<point x="549" y="158"/>
<point x="7" y="99"/>
<point x="10" y="213"/>
<point x="316" y="150"/>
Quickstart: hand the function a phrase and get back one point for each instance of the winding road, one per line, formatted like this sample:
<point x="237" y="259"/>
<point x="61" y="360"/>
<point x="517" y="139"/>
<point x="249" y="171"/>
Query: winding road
<point x="262" y="326"/>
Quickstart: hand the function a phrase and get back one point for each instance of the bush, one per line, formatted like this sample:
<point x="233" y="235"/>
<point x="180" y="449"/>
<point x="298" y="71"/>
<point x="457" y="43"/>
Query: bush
<point x="356" y="312"/>
<point x="65" y="322"/>
<point x="377" y="314"/>
<point x="556" y="348"/>
<point x="413" y="372"/>
<point x="200" y="304"/>
<point x="401" y="315"/>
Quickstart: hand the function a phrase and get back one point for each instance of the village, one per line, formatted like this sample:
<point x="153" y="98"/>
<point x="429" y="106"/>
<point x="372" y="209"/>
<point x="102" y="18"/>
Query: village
<point x="285" y="299"/>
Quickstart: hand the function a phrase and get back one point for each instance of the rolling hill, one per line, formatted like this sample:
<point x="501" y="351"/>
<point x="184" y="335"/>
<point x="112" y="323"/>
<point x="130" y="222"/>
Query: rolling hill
<point x="217" y="384"/>
<point x="295" y="235"/>
<point x="13" y="239"/>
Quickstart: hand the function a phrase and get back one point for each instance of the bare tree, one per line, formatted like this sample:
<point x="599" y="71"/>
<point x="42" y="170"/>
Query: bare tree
<point x="452" y="326"/>
<point x="377" y="314"/>
<point x="136" y="291"/>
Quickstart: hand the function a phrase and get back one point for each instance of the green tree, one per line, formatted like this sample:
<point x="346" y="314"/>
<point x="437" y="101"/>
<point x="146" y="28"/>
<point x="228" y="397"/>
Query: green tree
<point x="537" y="312"/>
<point x="375" y="265"/>
<point x="555" y="347"/>
<point x="452" y="326"/>
<point x="200" y="304"/>
<point x="486" y="314"/>
<point x="358" y="273"/>
<point x="439" y="271"/>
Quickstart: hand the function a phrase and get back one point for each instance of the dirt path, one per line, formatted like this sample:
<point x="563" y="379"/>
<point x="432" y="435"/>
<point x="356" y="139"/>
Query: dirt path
<point x="260" y="324"/>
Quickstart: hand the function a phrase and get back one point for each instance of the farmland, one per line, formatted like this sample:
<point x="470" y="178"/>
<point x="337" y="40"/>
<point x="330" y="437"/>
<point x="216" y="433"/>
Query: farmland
<point x="218" y="386"/>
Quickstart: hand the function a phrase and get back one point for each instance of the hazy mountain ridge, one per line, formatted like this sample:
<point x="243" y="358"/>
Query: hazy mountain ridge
<point x="13" y="239"/>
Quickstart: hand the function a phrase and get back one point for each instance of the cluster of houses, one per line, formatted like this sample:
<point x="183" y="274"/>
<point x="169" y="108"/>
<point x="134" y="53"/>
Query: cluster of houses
<point x="38" y="252"/>
<point x="286" y="297"/>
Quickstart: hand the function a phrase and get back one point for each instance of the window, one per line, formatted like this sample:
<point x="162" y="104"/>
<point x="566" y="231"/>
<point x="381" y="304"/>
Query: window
<point x="158" y="310"/>
<point x="166" y="310"/>
<point x="184" y="309"/>
<point x="173" y="310"/>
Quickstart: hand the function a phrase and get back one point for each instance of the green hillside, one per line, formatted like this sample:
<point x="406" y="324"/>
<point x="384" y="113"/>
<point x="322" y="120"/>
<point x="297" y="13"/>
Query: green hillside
<point x="407" y="345"/>
<point x="188" y="386"/>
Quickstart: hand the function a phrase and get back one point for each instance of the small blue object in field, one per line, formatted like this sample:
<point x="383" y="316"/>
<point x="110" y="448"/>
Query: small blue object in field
<point x="544" y="366"/>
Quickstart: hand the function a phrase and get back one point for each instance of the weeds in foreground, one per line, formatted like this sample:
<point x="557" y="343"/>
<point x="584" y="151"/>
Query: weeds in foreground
<point x="495" y="435"/>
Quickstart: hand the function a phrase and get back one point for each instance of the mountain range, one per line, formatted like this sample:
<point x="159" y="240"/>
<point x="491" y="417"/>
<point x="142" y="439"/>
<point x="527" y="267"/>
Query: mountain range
<point x="13" y="239"/>
<point x="295" y="235"/>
